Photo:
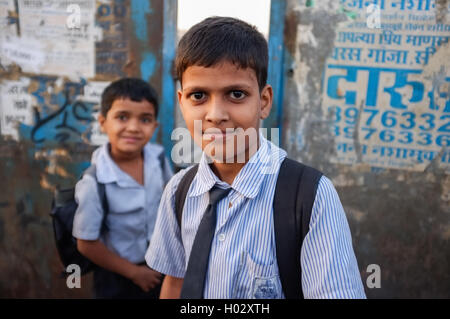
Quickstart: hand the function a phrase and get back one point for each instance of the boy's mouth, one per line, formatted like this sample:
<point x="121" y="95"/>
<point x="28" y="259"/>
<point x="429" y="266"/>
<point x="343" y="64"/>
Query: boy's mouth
<point x="130" y="139"/>
<point x="216" y="134"/>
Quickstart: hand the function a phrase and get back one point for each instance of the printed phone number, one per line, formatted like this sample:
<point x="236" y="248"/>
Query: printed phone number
<point x="391" y="121"/>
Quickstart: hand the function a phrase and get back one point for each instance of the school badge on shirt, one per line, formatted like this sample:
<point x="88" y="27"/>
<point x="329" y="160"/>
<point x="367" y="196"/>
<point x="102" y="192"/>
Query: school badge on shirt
<point x="265" y="288"/>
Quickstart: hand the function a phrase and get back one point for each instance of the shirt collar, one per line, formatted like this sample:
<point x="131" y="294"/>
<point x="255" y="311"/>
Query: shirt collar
<point x="109" y="172"/>
<point x="248" y="181"/>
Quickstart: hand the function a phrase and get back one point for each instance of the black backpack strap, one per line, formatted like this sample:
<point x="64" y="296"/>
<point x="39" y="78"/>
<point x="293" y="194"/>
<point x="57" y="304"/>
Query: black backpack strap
<point x="182" y="190"/>
<point x="162" y="165"/>
<point x="294" y="197"/>
<point x="91" y="171"/>
<point x="162" y="161"/>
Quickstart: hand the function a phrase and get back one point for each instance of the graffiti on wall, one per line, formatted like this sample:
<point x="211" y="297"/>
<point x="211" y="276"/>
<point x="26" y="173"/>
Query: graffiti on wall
<point x="46" y="110"/>
<point x="62" y="42"/>
<point x="60" y="117"/>
<point x="56" y="58"/>
<point x="387" y="86"/>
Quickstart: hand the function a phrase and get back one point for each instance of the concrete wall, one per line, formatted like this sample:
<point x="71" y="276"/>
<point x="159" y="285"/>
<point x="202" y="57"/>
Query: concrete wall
<point x="52" y="74"/>
<point x="367" y="101"/>
<point x="368" y="107"/>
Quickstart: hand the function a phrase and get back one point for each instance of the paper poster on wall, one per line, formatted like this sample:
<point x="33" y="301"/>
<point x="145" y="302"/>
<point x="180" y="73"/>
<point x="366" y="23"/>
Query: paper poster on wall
<point x="387" y="84"/>
<point x="112" y="52"/>
<point x="28" y="53"/>
<point x="6" y="9"/>
<point x="15" y="106"/>
<point x="92" y="93"/>
<point x="67" y="32"/>
<point x="7" y="28"/>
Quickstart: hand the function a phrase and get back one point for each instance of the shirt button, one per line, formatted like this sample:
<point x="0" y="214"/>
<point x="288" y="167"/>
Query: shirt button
<point x="221" y="237"/>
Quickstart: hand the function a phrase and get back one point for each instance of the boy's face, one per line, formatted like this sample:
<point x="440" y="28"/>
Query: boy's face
<point x="222" y="99"/>
<point x="129" y="126"/>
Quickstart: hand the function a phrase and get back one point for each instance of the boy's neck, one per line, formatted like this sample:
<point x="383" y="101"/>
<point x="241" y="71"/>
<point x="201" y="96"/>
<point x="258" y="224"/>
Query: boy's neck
<point x="227" y="172"/>
<point x="132" y="164"/>
<point x="124" y="158"/>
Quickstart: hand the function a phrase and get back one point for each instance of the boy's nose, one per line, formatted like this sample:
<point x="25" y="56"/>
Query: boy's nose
<point x="217" y="112"/>
<point x="133" y="125"/>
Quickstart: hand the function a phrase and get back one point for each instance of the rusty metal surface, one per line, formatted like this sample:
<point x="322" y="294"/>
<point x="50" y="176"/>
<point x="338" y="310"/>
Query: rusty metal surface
<point x="399" y="217"/>
<point x="54" y="149"/>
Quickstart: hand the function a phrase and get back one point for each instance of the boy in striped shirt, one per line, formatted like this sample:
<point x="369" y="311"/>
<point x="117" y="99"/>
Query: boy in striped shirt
<point x="221" y="64"/>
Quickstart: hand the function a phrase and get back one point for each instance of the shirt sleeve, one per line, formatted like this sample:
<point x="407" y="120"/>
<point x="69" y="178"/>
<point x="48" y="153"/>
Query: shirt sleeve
<point x="168" y="172"/>
<point x="329" y="266"/>
<point x="166" y="252"/>
<point x="88" y="217"/>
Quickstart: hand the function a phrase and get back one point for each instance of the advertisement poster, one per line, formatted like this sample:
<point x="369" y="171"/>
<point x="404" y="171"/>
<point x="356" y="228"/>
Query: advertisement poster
<point x="15" y="106"/>
<point x="66" y="30"/>
<point x="387" y="85"/>
<point x="92" y="94"/>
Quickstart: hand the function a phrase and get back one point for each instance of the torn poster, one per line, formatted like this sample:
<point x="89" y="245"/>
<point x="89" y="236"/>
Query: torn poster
<point x="67" y="32"/>
<point x="15" y="106"/>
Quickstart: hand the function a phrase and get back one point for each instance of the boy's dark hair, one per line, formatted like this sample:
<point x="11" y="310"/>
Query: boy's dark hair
<point x="218" y="39"/>
<point x="134" y="89"/>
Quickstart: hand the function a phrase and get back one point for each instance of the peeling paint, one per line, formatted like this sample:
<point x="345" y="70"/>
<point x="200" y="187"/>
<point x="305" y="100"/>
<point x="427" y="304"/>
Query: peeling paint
<point x="52" y="148"/>
<point x="399" y="217"/>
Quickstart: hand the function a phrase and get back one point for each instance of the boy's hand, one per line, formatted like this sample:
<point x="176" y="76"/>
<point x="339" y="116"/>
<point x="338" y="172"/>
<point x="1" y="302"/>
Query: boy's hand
<point x="146" y="278"/>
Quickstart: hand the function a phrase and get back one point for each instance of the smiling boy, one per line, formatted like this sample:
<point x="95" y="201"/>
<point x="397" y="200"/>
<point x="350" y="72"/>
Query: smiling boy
<point x="226" y="246"/>
<point x="130" y="168"/>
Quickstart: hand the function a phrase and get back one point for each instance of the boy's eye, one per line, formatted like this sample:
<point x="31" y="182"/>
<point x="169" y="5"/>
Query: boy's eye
<point x="237" y="95"/>
<point x="197" y="96"/>
<point x="146" y="120"/>
<point x="122" y="117"/>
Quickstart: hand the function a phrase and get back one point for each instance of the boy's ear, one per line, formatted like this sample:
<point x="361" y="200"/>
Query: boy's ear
<point x="266" y="101"/>
<point x="101" y="121"/>
<point x="180" y="95"/>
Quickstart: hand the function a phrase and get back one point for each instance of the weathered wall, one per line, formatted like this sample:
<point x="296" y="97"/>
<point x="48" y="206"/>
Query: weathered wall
<point x="370" y="107"/>
<point x="376" y="122"/>
<point x="51" y="78"/>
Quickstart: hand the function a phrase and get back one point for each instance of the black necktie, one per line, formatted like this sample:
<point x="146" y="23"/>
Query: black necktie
<point x="194" y="279"/>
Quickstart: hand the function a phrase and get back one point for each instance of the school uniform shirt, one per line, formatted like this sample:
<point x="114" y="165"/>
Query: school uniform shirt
<point x="132" y="207"/>
<point x="243" y="260"/>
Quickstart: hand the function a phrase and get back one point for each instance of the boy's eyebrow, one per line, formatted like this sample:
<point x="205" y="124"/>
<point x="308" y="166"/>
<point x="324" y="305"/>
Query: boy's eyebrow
<point x="238" y="86"/>
<point x="121" y="111"/>
<point x="128" y="112"/>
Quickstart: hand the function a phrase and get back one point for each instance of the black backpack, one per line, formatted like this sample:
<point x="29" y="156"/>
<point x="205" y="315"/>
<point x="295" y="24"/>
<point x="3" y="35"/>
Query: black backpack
<point x="63" y="211"/>
<point x="294" y="197"/>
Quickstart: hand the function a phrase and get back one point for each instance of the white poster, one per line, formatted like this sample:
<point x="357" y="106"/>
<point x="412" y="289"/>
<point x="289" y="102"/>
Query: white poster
<point x="7" y="9"/>
<point x="66" y="30"/>
<point x="15" y="106"/>
<point x="386" y="85"/>
<point x="28" y="53"/>
<point x="92" y="93"/>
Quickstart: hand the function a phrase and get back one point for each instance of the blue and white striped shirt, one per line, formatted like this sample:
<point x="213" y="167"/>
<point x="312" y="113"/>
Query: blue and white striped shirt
<point x="243" y="260"/>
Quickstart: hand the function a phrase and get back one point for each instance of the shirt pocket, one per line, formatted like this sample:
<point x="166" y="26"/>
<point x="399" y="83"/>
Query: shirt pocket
<point x="257" y="281"/>
<point x="126" y="209"/>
